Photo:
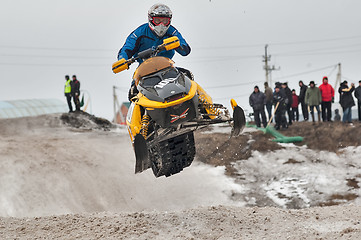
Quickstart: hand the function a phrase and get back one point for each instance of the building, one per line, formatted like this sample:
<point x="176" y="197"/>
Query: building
<point x="31" y="107"/>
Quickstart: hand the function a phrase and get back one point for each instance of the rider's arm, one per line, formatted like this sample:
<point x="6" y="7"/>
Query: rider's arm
<point x="133" y="41"/>
<point x="128" y="49"/>
<point x="184" y="49"/>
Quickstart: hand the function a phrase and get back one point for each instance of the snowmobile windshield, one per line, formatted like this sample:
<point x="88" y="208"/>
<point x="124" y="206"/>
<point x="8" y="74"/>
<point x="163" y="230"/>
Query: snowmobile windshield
<point x="167" y="74"/>
<point x="150" y="81"/>
<point x="170" y="73"/>
<point x="152" y="65"/>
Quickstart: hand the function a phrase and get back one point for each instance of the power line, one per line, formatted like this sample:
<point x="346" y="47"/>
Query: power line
<point x="324" y="49"/>
<point x="280" y="43"/>
<point x="213" y="59"/>
<point x="303" y="73"/>
<point x="200" y="60"/>
<point x="349" y="79"/>
<point x="317" y="53"/>
<point x="232" y="85"/>
<point x="235" y="96"/>
<point x="51" y="56"/>
<point x="320" y="40"/>
<point x="200" y="48"/>
<point x="54" y="48"/>
<point x="222" y="59"/>
<point x="55" y="65"/>
<point x="332" y="70"/>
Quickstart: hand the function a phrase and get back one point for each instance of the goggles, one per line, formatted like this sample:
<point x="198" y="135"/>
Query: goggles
<point x="161" y="20"/>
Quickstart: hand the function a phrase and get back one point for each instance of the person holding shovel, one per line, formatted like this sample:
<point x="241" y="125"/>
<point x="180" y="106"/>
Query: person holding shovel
<point x="280" y="101"/>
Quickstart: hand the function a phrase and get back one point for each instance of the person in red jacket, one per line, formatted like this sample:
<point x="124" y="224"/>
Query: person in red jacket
<point x="294" y="106"/>
<point x="327" y="94"/>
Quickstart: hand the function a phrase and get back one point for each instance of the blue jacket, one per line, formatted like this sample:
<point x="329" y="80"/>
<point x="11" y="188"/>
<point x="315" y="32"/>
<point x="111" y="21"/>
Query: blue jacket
<point x="143" y="38"/>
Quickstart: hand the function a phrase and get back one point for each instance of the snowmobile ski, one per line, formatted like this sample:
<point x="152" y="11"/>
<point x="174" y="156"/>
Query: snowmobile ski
<point x="239" y="120"/>
<point x="141" y="153"/>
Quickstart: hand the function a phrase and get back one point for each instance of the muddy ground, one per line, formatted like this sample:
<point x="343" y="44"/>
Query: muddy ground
<point x="71" y="176"/>
<point x="322" y="170"/>
<point x="221" y="150"/>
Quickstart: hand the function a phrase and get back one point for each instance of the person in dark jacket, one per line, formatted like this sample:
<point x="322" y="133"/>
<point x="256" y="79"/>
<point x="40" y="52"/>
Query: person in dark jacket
<point x="301" y="99"/>
<point x="358" y="97"/>
<point x="313" y="100"/>
<point x="294" y="106"/>
<point x="269" y="97"/>
<point x="257" y="100"/>
<point x="75" y="92"/>
<point x="346" y="100"/>
<point x="279" y="101"/>
<point x="288" y="93"/>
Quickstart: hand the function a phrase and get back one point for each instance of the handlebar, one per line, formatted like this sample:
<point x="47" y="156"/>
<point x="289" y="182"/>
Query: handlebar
<point x="168" y="44"/>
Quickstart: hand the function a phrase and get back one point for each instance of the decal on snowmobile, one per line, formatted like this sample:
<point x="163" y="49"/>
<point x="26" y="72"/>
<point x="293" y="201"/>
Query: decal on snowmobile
<point x="176" y="117"/>
<point x="165" y="82"/>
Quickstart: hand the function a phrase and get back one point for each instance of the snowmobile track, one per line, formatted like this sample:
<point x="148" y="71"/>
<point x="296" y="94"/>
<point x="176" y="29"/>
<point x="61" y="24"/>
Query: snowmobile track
<point x="172" y="155"/>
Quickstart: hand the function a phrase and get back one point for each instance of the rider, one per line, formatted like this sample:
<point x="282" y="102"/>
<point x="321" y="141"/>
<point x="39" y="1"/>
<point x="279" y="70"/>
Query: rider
<point x="150" y="35"/>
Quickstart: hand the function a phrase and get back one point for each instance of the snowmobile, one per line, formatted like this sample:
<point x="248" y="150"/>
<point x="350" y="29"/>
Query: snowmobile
<point x="169" y="107"/>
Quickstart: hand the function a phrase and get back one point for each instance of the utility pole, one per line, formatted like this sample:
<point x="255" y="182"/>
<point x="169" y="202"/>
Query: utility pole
<point x="116" y="104"/>
<point x="338" y="77"/>
<point x="266" y="58"/>
<point x="267" y="68"/>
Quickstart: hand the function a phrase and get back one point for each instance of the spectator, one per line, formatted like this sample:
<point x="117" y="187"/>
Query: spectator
<point x="75" y="92"/>
<point x="328" y="94"/>
<point x="358" y="97"/>
<point x="346" y="100"/>
<point x="269" y="97"/>
<point x="301" y="99"/>
<point x="288" y="93"/>
<point x="257" y="100"/>
<point x="67" y="92"/>
<point x="337" y="117"/>
<point x="279" y="101"/>
<point x="294" y="106"/>
<point x="313" y="99"/>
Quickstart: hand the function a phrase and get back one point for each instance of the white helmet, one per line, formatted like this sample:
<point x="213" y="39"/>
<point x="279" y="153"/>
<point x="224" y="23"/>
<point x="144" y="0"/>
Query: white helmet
<point x="159" y="18"/>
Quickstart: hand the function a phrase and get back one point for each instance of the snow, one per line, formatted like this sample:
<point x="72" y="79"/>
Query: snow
<point x="312" y="173"/>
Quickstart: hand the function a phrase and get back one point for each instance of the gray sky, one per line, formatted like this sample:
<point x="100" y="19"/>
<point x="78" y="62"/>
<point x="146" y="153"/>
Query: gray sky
<point x="43" y="40"/>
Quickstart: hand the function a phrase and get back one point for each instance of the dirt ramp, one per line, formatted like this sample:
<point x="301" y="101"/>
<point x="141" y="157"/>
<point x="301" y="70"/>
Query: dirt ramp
<point x="84" y="120"/>
<point x="201" y="223"/>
